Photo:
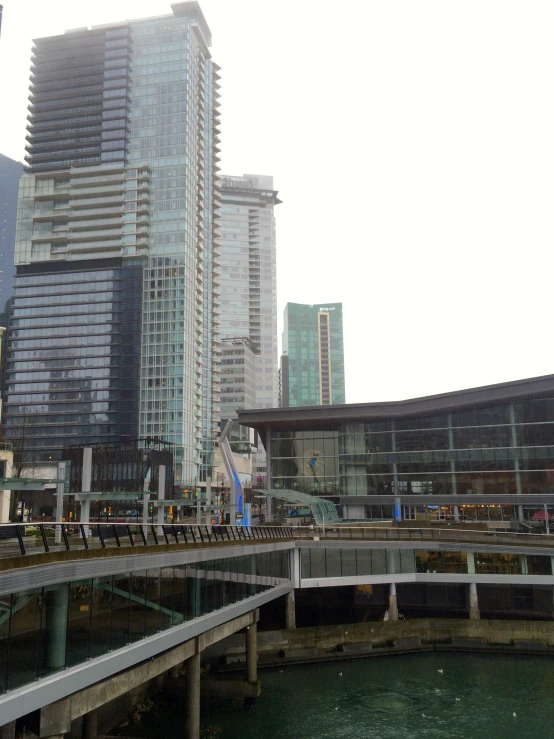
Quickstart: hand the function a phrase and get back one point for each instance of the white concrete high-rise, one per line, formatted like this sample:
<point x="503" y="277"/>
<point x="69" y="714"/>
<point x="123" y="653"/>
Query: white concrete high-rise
<point x="248" y="281"/>
<point x="248" y="285"/>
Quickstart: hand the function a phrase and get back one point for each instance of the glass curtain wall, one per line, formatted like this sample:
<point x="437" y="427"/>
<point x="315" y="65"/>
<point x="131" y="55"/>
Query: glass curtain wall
<point x="498" y="449"/>
<point x="173" y="120"/>
<point x="322" y="562"/>
<point x="48" y="629"/>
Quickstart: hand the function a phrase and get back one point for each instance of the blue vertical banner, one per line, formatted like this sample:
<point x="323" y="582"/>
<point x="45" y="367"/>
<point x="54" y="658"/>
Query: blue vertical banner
<point x="397" y="510"/>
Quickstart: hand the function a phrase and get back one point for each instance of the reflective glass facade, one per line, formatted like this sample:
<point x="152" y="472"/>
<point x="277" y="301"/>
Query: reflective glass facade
<point x="322" y="562"/>
<point x="173" y="126"/>
<point x="491" y="441"/>
<point x="351" y="562"/>
<point x="73" y="356"/>
<point x="496" y="449"/>
<point x="10" y="172"/>
<point x="78" y="99"/>
<point x="122" y="161"/>
<point x="47" y="629"/>
<point x="312" y="365"/>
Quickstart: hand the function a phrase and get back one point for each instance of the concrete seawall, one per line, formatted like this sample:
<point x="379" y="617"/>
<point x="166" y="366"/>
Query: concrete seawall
<point x="380" y="633"/>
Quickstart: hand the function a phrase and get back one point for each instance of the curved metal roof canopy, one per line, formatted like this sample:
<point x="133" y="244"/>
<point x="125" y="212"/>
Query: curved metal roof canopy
<point x="323" y="510"/>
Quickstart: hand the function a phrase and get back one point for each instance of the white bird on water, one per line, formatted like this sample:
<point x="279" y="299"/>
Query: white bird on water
<point x="458" y="699"/>
<point x="340" y="674"/>
<point x="514" y="714"/>
<point x="424" y="716"/>
<point x="441" y="671"/>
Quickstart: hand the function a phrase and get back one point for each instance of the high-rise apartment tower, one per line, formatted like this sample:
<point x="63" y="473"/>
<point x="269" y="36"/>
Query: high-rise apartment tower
<point x="312" y="363"/>
<point x="248" y="289"/>
<point x="114" y="323"/>
<point x="248" y="294"/>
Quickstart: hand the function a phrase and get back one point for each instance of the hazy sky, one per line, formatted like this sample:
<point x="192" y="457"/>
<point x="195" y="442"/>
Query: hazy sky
<point x="412" y="145"/>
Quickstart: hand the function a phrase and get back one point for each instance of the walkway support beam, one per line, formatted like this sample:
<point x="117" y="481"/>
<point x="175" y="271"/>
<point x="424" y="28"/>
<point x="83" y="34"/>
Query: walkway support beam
<point x="290" y="610"/>
<point x="393" y="602"/>
<point x="192" y="697"/>
<point x="252" y="653"/>
<point x="474" y="612"/>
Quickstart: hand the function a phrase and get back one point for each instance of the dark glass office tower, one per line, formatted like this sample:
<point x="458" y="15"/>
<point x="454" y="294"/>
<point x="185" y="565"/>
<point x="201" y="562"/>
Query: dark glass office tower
<point x="115" y="249"/>
<point x="10" y="172"/>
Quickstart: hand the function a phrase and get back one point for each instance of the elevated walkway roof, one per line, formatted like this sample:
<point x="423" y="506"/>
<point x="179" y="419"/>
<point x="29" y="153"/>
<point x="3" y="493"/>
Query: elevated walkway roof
<point x="323" y="511"/>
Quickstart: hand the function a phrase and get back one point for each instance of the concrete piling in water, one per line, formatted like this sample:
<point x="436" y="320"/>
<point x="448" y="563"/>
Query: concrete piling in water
<point x="192" y="697"/>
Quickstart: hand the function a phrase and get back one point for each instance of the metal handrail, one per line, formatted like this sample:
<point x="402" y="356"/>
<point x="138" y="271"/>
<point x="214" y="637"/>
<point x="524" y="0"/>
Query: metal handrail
<point x="395" y="533"/>
<point x="82" y="535"/>
<point x="33" y="538"/>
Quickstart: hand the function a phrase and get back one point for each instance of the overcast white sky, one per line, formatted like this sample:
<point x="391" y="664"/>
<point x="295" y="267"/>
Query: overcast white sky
<point x="412" y="145"/>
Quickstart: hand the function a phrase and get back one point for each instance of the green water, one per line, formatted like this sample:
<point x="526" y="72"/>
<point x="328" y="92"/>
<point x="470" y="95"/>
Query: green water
<point x="403" y="697"/>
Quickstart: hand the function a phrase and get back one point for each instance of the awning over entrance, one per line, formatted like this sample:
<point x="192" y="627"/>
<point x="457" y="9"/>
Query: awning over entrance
<point x="541" y="516"/>
<point x="323" y="511"/>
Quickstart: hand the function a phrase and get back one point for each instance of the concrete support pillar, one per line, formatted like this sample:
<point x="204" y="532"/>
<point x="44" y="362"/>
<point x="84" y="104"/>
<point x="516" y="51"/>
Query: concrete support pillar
<point x="456" y="513"/>
<point x="473" y="602"/>
<point x="145" y="506"/>
<point x="174" y="672"/>
<point x="290" y="610"/>
<point x="192" y="698"/>
<point x="393" y="602"/>
<point x="470" y="563"/>
<point x="90" y="725"/>
<point x="86" y="481"/>
<point x="54" y="720"/>
<point x="5" y="503"/>
<point x="8" y="731"/>
<point x="252" y="653"/>
<point x="520" y="516"/>
<point x="60" y="489"/>
<point x="57" y="606"/>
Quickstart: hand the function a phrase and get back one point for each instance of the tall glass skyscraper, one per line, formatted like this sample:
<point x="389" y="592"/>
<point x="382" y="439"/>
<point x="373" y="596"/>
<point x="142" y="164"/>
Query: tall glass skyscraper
<point x="114" y="324"/>
<point x="312" y="364"/>
<point x="10" y="172"/>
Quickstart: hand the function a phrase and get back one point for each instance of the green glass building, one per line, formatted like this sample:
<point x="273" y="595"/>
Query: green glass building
<point x="312" y="363"/>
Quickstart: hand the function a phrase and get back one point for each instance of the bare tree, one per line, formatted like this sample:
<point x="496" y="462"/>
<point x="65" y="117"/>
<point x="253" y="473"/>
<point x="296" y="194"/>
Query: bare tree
<point x="21" y="441"/>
